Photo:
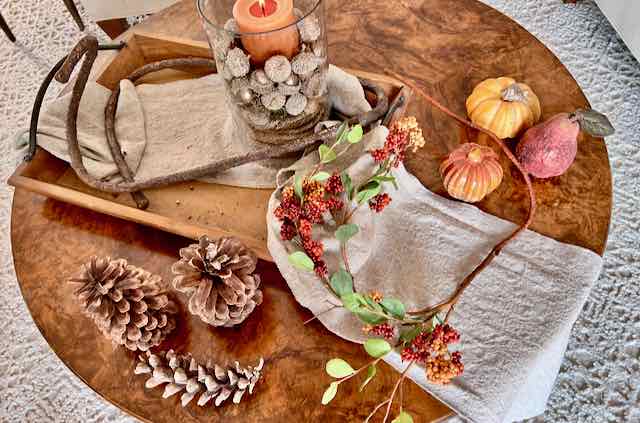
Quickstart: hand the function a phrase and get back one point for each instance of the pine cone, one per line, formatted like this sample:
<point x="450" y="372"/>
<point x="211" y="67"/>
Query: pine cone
<point x="218" y="278"/>
<point x="126" y="302"/>
<point x="183" y="373"/>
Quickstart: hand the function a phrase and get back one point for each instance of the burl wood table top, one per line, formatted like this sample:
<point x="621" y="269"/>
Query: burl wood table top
<point x="446" y="46"/>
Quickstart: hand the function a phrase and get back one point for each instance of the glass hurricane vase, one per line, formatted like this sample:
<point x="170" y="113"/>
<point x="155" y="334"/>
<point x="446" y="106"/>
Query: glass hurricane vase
<point x="273" y="58"/>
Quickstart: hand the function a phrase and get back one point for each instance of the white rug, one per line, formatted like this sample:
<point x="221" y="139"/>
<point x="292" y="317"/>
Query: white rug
<point x="599" y="380"/>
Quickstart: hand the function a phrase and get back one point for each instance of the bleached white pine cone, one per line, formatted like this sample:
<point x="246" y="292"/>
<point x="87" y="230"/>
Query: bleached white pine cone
<point x="213" y="384"/>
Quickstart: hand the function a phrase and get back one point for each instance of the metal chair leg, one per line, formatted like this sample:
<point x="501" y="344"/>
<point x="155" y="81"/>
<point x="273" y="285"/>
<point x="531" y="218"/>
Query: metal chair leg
<point x="71" y="7"/>
<point x="6" y="29"/>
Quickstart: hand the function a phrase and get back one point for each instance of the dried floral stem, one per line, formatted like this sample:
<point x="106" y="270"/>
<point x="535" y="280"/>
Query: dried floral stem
<point x="315" y="316"/>
<point x="343" y="250"/>
<point x="450" y="304"/>
<point x="375" y="410"/>
<point x="401" y="393"/>
<point x="371" y="363"/>
<point x="393" y="393"/>
<point x="350" y="214"/>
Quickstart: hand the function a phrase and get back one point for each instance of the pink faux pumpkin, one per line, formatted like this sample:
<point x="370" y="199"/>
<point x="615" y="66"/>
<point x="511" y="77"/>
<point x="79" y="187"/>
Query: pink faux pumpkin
<point x="549" y="148"/>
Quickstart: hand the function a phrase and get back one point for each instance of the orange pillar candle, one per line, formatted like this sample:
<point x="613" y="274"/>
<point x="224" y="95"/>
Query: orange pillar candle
<point x="259" y="16"/>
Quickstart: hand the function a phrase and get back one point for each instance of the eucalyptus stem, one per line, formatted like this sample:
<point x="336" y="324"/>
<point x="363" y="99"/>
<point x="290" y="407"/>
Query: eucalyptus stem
<point x="389" y="401"/>
<point x="375" y="410"/>
<point x="315" y="316"/>
<point x="371" y="363"/>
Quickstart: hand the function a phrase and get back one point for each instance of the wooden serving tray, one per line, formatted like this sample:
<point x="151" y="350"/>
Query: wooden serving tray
<point x="189" y="209"/>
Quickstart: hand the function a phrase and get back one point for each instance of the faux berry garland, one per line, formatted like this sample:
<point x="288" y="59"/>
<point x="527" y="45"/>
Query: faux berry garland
<point x="421" y="336"/>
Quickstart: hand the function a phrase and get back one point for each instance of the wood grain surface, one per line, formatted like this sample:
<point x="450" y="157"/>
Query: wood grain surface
<point x="448" y="49"/>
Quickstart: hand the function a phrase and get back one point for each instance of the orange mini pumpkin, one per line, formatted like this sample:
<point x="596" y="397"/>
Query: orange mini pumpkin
<point x="503" y="106"/>
<point x="471" y="172"/>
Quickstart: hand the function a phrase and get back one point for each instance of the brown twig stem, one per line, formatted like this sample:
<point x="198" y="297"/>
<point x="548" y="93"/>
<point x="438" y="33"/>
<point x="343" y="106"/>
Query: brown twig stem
<point x="375" y="410"/>
<point x="395" y="388"/>
<point x="366" y="366"/>
<point x="315" y="316"/>
<point x="401" y="393"/>
<point x="451" y="302"/>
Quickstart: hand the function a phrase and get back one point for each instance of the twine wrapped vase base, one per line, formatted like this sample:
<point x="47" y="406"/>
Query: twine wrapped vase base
<point x="257" y="126"/>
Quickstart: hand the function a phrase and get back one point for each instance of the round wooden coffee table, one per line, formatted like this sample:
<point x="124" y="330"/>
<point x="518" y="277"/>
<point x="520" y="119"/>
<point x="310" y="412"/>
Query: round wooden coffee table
<point x="448" y="49"/>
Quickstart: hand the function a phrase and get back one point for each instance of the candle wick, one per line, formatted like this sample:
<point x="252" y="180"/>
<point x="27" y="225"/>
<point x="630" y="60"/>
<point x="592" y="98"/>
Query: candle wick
<point x="262" y="6"/>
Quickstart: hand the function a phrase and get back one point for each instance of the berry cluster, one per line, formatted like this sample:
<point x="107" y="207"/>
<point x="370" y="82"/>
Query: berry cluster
<point x="379" y="202"/>
<point x="441" y="369"/>
<point x="298" y="215"/>
<point x="403" y="134"/>
<point x="384" y="330"/>
<point x="410" y="125"/>
<point x="432" y="350"/>
<point x="334" y="184"/>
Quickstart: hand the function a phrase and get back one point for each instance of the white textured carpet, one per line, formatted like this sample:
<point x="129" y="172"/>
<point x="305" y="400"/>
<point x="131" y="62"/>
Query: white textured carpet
<point x="600" y="377"/>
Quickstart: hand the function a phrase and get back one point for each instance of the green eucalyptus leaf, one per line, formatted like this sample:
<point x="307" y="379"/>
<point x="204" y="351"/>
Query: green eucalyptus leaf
<point x="330" y="393"/>
<point x="297" y="186"/>
<point x="435" y="321"/>
<point x="327" y="155"/>
<point x="342" y="131"/>
<point x="403" y="417"/>
<point x="339" y="368"/>
<point x="372" y="304"/>
<point x="355" y="134"/>
<point x="393" y="307"/>
<point x="376" y="347"/>
<point x="371" y="373"/>
<point x="321" y="176"/>
<point x="594" y="123"/>
<point x="384" y="178"/>
<point x="367" y="192"/>
<point x="345" y="232"/>
<point x="353" y="302"/>
<point x="369" y="317"/>
<point x="347" y="184"/>
<point x="301" y="261"/>
<point x="342" y="283"/>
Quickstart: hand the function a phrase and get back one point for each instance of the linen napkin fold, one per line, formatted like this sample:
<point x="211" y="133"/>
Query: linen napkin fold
<point x="172" y="127"/>
<point x="515" y="318"/>
<point x="91" y="134"/>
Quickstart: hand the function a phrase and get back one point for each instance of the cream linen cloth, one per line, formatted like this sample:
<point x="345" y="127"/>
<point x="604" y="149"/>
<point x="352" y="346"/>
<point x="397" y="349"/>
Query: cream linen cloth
<point x="514" y="319"/>
<point x="172" y="127"/>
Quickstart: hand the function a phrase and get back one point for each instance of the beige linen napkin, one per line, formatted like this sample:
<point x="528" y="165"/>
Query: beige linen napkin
<point x="172" y="127"/>
<point x="91" y="134"/>
<point x="514" y="319"/>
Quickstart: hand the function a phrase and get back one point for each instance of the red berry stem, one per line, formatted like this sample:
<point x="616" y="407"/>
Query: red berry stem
<point x="453" y="299"/>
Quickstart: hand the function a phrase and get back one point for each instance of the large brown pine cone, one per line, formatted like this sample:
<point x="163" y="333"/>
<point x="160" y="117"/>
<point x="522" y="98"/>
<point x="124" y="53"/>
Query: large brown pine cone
<point x="127" y="303"/>
<point x="218" y="278"/>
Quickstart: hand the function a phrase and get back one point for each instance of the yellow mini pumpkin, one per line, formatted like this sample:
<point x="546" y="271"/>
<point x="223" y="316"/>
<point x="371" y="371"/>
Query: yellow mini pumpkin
<point x="503" y="106"/>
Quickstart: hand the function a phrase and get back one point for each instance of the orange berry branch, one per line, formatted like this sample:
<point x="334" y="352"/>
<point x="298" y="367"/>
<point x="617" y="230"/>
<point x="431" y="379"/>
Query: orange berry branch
<point x="422" y="336"/>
